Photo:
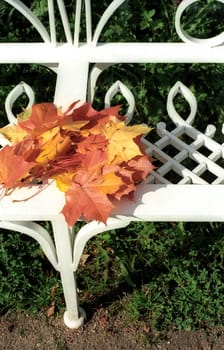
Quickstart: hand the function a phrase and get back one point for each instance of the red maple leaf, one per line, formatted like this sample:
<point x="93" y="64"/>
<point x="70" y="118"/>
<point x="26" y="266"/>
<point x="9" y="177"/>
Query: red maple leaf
<point x="29" y="148"/>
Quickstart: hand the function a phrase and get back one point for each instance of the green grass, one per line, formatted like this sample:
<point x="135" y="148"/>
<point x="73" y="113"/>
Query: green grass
<point x="172" y="273"/>
<point x="26" y="277"/>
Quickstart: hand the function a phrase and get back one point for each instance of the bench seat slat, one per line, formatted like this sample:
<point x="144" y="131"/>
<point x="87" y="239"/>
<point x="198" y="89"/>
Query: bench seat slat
<point x="44" y="206"/>
<point x="152" y="203"/>
<point x="174" y="203"/>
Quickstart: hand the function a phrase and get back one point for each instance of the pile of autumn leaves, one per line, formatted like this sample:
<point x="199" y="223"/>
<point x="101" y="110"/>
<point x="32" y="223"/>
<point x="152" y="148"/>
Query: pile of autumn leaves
<point x="92" y="155"/>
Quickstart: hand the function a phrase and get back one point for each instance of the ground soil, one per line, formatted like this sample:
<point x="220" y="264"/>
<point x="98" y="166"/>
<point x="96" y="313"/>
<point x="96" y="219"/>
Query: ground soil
<point x="104" y="329"/>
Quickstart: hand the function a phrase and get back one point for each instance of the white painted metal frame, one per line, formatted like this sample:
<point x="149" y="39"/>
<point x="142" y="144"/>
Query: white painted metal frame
<point x="156" y="199"/>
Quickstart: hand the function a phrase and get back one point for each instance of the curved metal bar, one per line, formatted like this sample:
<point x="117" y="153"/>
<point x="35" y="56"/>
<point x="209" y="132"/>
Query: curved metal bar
<point x="65" y="21"/>
<point x="19" y="89"/>
<point x="38" y="233"/>
<point x="190" y="98"/>
<point x="26" y="12"/>
<point x="105" y="17"/>
<point x="77" y="21"/>
<point x="88" y="21"/>
<point x="93" y="76"/>
<point x="118" y="86"/>
<point x="214" y="41"/>
<point x="50" y="4"/>
<point x="90" y="230"/>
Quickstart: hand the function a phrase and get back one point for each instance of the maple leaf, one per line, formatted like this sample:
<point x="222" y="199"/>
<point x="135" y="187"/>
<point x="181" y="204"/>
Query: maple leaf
<point x="87" y="112"/>
<point x="111" y="183"/>
<point x="127" y="186"/>
<point x="13" y="167"/>
<point x="94" y="127"/>
<point x="13" y="133"/>
<point x="86" y="164"/>
<point x="65" y="162"/>
<point x="53" y="143"/>
<point x="67" y="123"/>
<point x="122" y="146"/>
<point x="142" y="167"/>
<point x="29" y="148"/>
<point x="94" y="119"/>
<point x="64" y="180"/>
<point x="92" y="143"/>
<point x="88" y="195"/>
<point x="42" y="116"/>
<point x="83" y="201"/>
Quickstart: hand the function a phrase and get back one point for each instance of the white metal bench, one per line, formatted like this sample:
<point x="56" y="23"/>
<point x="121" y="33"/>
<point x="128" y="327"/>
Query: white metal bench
<point x="157" y="199"/>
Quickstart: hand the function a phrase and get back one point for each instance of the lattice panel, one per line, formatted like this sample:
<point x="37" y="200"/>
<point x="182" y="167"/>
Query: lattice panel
<point x="186" y="155"/>
<point x="185" y="163"/>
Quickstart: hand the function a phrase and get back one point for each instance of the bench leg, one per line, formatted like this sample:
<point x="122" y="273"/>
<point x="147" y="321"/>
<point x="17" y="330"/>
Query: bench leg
<point x="74" y="316"/>
<point x="69" y="252"/>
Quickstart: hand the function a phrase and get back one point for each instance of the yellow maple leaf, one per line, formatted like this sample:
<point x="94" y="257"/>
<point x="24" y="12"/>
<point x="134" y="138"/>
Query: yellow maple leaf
<point x="64" y="181"/>
<point x="53" y="144"/>
<point x="110" y="183"/>
<point x="50" y="134"/>
<point x="13" y="133"/>
<point x="74" y="126"/>
<point x="122" y="146"/>
<point x="97" y="128"/>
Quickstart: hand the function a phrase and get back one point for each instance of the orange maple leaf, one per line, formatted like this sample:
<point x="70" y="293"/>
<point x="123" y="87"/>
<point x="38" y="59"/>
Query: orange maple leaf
<point x="95" y="160"/>
<point x="29" y="148"/>
<point x="92" y="143"/>
<point x="88" y="195"/>
<point x="43" y="116"/>
<point x="13" y="168"/>
<point x="85" y="202"/>
<point x="142" y="167"/>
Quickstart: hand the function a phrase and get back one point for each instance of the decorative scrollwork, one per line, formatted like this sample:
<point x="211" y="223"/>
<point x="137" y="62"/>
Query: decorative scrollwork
<point x="115" y="4"/>
<point x="105" y="17"/>
<point x="117" y="87"/>
<point x="180" y="88"/>
<point x="26" y="12"/>
<point x="214" y="41"/>
<point x="64" y="19"/>
<point x="90" y="39"/>
<point x="20" y="89"/>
